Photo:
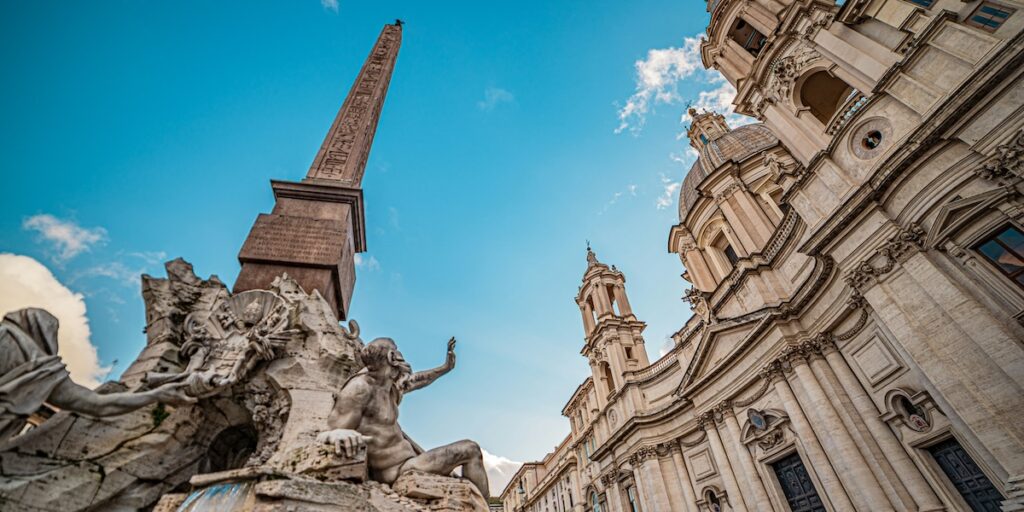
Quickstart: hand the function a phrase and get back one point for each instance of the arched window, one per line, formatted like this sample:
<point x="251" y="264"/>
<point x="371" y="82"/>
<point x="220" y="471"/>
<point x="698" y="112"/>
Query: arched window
<point x="713" y="503"/>
<point x="607" y="374"/>
<point x="824" y="93"/>
<point x="747" y="36"/>
<point x="594" y="501"/>
<point x="725" y="248"/>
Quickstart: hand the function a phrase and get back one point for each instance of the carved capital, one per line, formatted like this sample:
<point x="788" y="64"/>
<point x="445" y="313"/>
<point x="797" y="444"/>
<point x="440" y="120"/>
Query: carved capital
<point x="642" y="455"/>
<point x="1008" y="161"/>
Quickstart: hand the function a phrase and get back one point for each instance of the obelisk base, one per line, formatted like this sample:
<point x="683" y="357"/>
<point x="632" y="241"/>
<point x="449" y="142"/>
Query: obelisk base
<point x="312" y="235"/>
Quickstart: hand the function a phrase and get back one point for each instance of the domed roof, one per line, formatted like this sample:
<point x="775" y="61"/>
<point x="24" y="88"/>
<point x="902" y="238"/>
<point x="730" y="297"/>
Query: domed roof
<point x="735" y="145"/>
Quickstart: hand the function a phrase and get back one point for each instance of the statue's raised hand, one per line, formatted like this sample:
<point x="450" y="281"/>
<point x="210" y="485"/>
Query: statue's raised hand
<point x="345" y="441"/>
<point x="450" y="360"/>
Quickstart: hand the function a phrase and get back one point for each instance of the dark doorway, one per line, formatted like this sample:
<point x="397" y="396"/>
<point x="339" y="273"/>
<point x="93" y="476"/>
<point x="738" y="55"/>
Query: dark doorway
<point x="797" y="485"/>
<point x="976" y="489"/>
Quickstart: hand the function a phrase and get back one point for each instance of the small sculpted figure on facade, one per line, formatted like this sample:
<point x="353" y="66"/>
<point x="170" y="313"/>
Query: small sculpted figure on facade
<point x="366" y="415"/>
<point x="31" y="374"/>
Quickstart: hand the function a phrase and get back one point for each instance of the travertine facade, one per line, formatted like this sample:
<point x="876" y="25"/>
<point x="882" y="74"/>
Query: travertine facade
<point x="856" y="262"/>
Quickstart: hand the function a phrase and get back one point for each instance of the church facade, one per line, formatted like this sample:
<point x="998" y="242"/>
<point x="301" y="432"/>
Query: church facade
<point x="855" y="264"/>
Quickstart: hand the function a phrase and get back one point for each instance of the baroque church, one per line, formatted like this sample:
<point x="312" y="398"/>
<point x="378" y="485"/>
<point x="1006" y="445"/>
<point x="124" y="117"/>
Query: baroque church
<point x="855" y="265"/>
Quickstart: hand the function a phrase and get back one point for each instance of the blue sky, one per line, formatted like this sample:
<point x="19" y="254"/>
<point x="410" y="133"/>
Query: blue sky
<point x="135" y="132"/>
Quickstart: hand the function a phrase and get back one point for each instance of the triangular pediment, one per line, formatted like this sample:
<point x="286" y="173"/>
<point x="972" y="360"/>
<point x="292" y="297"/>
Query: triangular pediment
<point x="960" y="212"/>
<point x="719" y="344"/>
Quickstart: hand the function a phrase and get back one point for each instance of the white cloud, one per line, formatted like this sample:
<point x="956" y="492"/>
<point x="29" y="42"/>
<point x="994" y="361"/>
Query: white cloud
<point x="657" y="81"/>
<point x="666" y="346"/>
<point x="500" y="471"/>
<point x="669" y="189"/>
<point x="27" y="283"/>
<point x="369" y="264"/>
<point x="330" y="5"/>
<point x="630" y="189"/>
<point x="68" y="238"/>
<point x="493" y="96"/>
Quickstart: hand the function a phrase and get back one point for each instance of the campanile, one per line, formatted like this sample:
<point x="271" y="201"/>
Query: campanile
<point x="318" y="224"/>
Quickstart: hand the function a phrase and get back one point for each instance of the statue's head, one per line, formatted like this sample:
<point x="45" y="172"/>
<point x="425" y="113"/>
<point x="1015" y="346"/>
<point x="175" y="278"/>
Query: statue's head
<point x="383" y="353"/>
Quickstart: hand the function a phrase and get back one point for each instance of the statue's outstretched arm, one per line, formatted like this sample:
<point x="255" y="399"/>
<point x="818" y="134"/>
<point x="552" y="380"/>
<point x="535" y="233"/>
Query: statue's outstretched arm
<point x="425" y="378"/>
<point x="73" y="397"/>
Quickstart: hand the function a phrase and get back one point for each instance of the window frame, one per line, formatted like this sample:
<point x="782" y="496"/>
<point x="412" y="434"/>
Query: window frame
<point x="969" y="20"/>
<point x="993" y="236"/>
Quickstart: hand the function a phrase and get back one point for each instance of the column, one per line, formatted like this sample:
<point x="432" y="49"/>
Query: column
<point x="613" y="495"/>
<point x="646" y="459"/>
<point x="724" y="467"/>
<point x="757" y="496"/>
<point x="818" y="462"/>
<point x="641" y="488"/>
<point x="915" y="483"/>
<point x="841" y="447"/>
<point x="620" y="297"/>
<point x="971" y="359"/>
<point x="601" y="300"/>
<point x="689" y="496"/>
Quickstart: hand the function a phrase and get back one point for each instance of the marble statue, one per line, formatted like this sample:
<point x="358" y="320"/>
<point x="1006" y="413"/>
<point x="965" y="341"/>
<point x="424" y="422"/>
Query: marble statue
<point x="366" y="415"/>
<point x="32" y="373"/>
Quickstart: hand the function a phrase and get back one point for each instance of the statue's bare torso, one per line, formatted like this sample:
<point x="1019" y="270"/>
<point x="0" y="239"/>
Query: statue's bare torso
<point x="366" y="414"/>
<point x="387" y="446"/>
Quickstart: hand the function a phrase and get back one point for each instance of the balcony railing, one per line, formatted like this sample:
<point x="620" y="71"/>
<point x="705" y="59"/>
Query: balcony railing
<point x="853" y="104"/>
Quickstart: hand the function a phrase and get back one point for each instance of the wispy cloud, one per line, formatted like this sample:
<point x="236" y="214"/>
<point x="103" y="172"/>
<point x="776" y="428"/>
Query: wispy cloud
<point x="150" y="257"/>
<point x="630" y="190"/>
<point x="393" y="218"/>
<point x="670" y="188"/>
<point x="114" y="270"/>
<point x="66" y="237"/>
<point x="494" y="96"/>
<point x="367" y="263"/>
<point x="658" y="77"/>
<point x="330" y="5"/>
<point x="657" y="81"/>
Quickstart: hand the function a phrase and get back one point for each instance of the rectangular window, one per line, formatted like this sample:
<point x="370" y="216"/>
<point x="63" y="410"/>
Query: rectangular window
<point x="923" y="3"/>
<point x="1005" y="250"/>
<point x="631" y="493"/>
<point x="989" y="16"/>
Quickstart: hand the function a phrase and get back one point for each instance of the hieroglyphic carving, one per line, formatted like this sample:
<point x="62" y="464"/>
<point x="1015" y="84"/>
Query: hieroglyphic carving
<point x="347" y="145"/>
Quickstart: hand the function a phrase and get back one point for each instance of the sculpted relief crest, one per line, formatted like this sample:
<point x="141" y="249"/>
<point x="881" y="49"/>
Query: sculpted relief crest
<point x="785" y="70"/>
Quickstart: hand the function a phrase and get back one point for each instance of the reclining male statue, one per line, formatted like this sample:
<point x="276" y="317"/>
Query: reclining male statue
<point x="366" y="414"/>
<point x="31" y="373"/>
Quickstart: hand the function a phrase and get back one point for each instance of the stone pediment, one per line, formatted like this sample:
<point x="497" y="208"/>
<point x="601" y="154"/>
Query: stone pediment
<point x="719" y="344"/>
<point x="961" y="212"/>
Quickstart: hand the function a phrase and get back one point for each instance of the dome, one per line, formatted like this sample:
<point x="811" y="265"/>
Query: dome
<point x="735" y="145"/>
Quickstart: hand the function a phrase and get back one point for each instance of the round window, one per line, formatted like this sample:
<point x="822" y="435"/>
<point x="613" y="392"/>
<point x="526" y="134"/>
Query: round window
<point x="872" y="140"/>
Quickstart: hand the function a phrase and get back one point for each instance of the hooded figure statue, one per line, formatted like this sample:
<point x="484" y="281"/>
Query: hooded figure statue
<point x="31" y="373"/>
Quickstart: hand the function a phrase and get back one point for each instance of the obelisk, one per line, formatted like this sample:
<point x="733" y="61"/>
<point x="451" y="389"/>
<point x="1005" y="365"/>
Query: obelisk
<point x="318" y="225"/>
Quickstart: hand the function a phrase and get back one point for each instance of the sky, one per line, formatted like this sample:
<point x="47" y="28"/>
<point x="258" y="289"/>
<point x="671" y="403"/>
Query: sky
<point x="513" y="133"/>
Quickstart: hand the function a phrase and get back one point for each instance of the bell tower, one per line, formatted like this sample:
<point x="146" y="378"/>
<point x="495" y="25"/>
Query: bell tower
<point x="614" y="342"/>
<point x="705" y="127"/>
<point x="318" y="224"/>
